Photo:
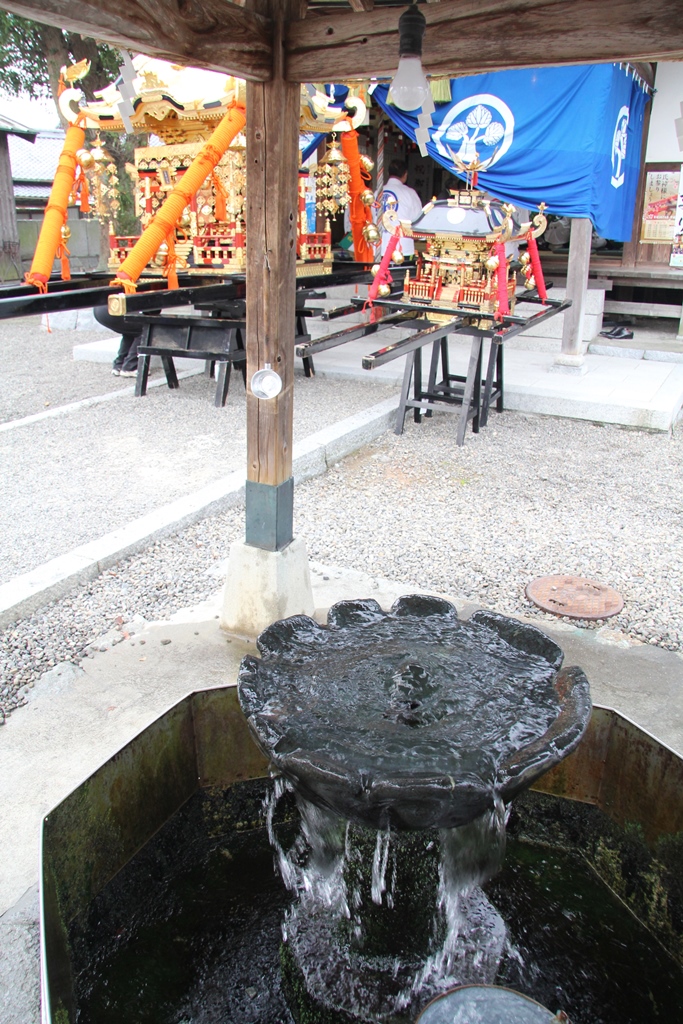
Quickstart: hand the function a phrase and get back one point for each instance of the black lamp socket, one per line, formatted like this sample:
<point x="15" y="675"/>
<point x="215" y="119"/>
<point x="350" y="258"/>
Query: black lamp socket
<point x="411" y="29"/>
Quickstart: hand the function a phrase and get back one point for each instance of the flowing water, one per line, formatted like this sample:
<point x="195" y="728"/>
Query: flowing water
<point x="383" y="921"/>
<point x="190" y="931"/>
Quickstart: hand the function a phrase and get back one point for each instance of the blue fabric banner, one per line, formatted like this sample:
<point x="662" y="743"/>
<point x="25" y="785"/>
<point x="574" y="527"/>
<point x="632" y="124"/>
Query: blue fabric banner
<point x="569" y="137"/>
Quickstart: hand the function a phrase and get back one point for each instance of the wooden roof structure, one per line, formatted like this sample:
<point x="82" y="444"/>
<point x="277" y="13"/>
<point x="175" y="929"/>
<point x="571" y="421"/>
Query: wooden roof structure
<point x="276" y="45"/>
<point x="337" y="40"/>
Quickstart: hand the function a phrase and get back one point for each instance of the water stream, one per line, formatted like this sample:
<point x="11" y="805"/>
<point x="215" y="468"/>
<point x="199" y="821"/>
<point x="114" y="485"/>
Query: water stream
<point x="382" y="921"/>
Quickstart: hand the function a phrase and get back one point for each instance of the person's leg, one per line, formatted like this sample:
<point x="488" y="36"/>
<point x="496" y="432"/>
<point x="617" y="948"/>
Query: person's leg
<point x="123" y="360"/>
<point x="129" y="366"/>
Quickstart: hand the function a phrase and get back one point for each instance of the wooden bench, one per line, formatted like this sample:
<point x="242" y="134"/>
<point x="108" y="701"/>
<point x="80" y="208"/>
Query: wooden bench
<point x="188" y="337"/>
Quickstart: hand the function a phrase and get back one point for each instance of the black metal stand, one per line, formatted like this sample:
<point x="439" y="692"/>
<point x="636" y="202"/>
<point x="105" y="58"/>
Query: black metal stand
<point x="469" y="395"/>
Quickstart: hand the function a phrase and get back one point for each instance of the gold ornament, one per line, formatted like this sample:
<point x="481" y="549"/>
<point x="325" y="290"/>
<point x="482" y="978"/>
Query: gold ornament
<point x="524" y="258"/>
<point x="384" y="290"/>
<point x="530" y="282"/>
<point x="66" y="232"/>
<point x="332" y="177"/>
<point x="374" y="270"/>
<point x="371" y="234"/>
<point x="185" y="219"/>
<point x="492" y="263"/>
<point x="334" y="154"/>
<point x="366" y="163"/>
<point x="160" y="258"/>
<point x="397" y="256"/>
<point x="367" y="197"/>
<point x="205" y="210"/>
<point x="85" y="159"/>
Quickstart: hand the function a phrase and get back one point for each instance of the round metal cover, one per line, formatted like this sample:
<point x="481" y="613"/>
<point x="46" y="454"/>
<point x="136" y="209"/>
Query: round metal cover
<point x="474" y="1004"/>
<point x="574" y="597"/>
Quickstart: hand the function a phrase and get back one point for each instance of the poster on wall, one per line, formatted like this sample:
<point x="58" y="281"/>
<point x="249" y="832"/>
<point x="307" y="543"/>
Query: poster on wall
<point x="676" y="258"/>
<point x="659" y="208"/>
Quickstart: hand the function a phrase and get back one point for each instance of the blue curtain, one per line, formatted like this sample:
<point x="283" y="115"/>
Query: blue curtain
<point x="568" y="137"/>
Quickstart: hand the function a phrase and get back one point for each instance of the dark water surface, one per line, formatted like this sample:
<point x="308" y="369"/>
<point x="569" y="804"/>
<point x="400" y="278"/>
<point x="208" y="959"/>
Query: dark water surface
<point x="189" y="932"/>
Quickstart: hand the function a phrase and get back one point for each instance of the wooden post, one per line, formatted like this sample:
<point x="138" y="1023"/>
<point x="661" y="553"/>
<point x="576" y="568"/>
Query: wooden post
<point x="272" y="210"/>
<point x="10" y="260"/>
<point x="577" y="286"/>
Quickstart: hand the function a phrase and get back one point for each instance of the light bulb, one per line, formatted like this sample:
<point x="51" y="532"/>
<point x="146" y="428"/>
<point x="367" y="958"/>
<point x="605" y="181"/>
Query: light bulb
<point x="410" y="88"/>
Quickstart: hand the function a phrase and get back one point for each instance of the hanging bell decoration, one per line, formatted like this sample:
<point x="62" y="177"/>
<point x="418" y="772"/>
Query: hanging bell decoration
<point x="530" y="282"/>
<point x="85" y="159"/>
<point x="66" y="232"/>
<point x="332" y="178"/>
<point x="371" y="234"/>
<point x="160" y="258"/>
<point x="366" y="163"/>
<point x="384" y="291"/>
<point x="367" y="197"/>
<point x="524" y="258"/>
<point x="374" y="269"/>
<point x="492" y="264"/>
<point x="397" y="256"/>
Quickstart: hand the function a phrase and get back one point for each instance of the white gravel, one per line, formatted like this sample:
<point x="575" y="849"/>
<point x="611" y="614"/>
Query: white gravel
<point x="76" y="477"/>
<point x="529" y="496"/>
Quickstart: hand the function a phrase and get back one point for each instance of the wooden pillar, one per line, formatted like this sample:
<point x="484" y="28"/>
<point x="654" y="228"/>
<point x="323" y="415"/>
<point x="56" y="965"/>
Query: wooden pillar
<point x="577" y="286"/>
<point x="271" y="218"/>
<point x="10" y="260"/>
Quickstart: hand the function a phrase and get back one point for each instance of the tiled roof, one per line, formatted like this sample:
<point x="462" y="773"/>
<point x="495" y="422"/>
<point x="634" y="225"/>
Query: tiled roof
<point x="14" y="128"/>
<point x="37" y="191"/>
<point x="35" y="161"/>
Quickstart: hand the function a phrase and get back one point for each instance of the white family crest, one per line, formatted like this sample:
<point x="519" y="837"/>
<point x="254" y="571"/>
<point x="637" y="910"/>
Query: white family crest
<point x="483" y="125"/>
<point x="619" y="142"/>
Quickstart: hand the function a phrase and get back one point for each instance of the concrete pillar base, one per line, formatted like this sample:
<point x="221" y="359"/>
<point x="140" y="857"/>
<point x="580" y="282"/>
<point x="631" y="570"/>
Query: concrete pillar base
<point x="569" y="362"/>
<point x="264" y="586"/>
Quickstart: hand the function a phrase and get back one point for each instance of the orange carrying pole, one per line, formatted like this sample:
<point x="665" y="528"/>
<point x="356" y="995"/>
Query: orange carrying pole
<point x="50" y="238"/>
<point x="359" y="214"/>
<point x="163" y="224"/>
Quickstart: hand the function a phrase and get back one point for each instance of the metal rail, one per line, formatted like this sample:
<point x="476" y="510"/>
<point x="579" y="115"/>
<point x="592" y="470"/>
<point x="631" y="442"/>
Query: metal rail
<point x="355" y="331"/>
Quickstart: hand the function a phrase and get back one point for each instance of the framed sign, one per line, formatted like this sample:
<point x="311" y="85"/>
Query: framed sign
<point x="676" y="258"/>
<point x="659" y="209"/>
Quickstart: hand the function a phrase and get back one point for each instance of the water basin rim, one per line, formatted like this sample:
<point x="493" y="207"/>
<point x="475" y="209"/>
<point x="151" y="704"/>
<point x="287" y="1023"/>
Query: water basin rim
<point x="276" y="639"/>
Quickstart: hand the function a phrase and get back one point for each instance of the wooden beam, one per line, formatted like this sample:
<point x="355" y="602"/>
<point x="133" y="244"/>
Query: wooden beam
<point x="467" y="37"/>
<point x="361" y="5"/>
<point x="271" y="221"/>
<point x="210" y="34"/>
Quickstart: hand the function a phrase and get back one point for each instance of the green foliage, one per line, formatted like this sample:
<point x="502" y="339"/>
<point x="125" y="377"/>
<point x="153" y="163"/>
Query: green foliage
<point x="32" y="53"/>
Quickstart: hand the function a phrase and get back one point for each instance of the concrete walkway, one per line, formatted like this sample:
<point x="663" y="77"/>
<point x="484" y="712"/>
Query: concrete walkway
<point x="643" y="387"/>
<point x="79" y="717"/>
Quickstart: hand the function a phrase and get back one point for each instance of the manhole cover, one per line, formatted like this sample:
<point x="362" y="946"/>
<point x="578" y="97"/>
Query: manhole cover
<point x="574" y="597"/>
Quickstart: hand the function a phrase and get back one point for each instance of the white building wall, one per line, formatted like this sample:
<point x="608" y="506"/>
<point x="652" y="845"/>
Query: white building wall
<point x="665" y="137"/>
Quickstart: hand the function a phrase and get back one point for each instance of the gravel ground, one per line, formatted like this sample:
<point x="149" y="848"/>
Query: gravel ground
<point x="95" y="469"/>
<point x="38" y="370"/>
<point x="528" y="496"/>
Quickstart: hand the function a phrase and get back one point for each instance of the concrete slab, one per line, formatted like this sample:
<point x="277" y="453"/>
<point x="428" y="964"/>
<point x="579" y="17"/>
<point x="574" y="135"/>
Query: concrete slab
<point x="104" y="351"/>
<point x="633" y="392"/>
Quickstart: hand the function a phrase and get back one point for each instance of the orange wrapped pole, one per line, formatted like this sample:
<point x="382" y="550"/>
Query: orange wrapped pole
<point x="50" y="238"/>
<point x="163" y="224"/>
<point x="359" y="214"/>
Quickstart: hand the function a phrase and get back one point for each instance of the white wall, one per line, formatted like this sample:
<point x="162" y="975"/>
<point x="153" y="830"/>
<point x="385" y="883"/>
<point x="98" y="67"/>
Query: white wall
<point x="662" y="141"/>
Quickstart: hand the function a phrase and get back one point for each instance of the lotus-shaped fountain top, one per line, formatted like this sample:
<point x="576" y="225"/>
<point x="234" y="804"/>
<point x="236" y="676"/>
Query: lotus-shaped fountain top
<point x="411" y="718"/>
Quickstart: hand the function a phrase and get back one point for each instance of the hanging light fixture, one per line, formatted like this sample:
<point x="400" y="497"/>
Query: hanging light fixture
<point x="410" y="89"/>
